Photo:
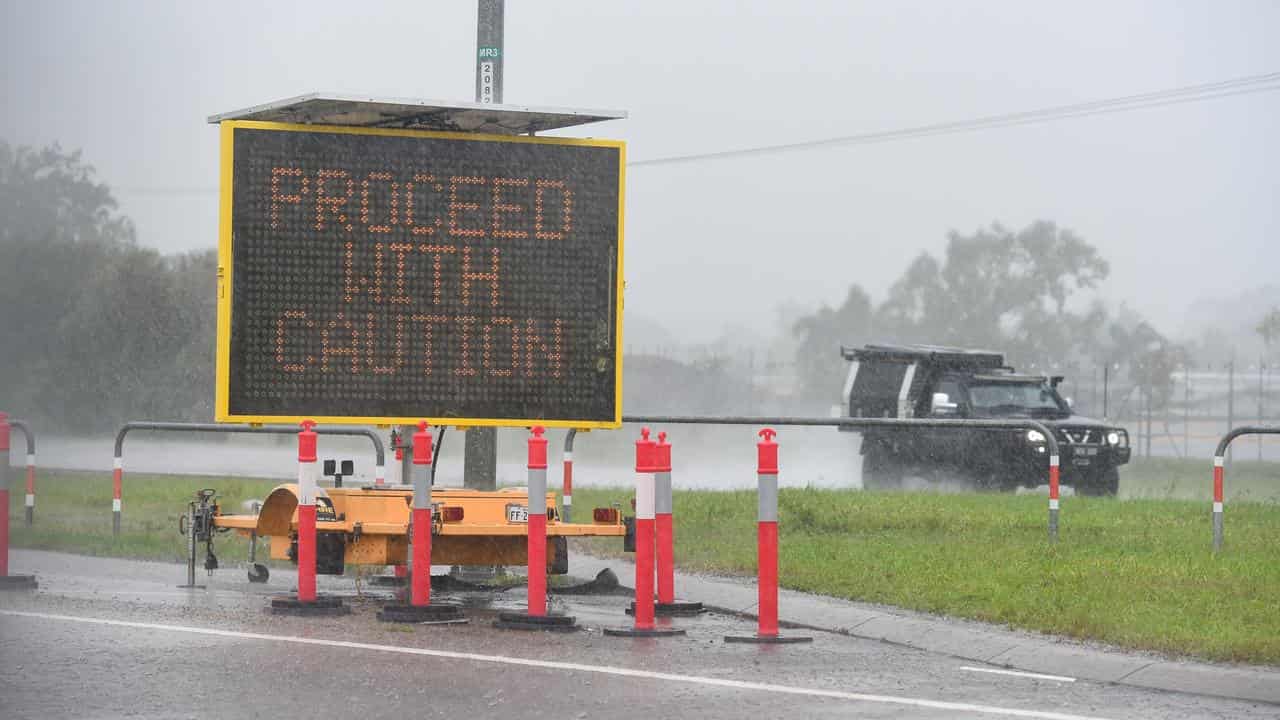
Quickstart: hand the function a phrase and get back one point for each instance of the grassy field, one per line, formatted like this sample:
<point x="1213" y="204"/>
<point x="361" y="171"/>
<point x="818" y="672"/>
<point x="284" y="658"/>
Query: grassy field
<point x="73" y="514"/>
<point x="1136" y="573"/>
<point x="1172" y="478"/>
<point x="1133" y="573"/>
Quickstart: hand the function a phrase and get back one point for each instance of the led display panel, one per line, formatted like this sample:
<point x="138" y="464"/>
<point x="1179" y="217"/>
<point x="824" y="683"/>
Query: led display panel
<point x="387" y="276"/>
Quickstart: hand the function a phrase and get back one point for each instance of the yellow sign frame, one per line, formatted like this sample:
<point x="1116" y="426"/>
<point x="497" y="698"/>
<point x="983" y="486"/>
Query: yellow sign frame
<point x="226" y="271"/>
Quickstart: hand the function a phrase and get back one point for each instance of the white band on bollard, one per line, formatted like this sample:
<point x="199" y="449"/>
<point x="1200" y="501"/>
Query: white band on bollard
<point x="644" y="496"/>
<point x="1217" y="507"/>
<point x="117" y="464"/>
<point x="31" y="500"/>
<point x="1217" y="461"/>
<point x="568" y="499"/>
<point x="31" y="459"/>
<point x="1053" y="503"/>
<point x="379" y="475"/>
<point x="568" y="456"/>
<point x="307" y="483"/>
<point x="421" y="476"/>
<point x="1053" y="460"/>
<point x="538" y="491"/>
<point x="115" y="505"/>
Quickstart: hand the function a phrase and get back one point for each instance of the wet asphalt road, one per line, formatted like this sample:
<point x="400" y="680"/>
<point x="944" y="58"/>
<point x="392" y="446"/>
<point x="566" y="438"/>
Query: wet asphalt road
<point x="144" y="655"/>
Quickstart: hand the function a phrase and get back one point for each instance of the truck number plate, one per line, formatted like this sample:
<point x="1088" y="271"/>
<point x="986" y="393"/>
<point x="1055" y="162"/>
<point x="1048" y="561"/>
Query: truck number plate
<point x="1081" y="461"/>
<point x="517" y="514"/>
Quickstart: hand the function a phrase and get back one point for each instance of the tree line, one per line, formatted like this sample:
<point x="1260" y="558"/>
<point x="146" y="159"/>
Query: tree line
<point x="94" y="330"/>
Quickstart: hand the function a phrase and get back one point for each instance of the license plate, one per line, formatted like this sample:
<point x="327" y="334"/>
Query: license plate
<point x="517" y="514"/>
<point x="1081" y="462"/>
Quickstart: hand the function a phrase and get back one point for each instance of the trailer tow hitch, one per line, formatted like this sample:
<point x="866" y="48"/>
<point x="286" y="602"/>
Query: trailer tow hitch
<point x="197" y="526"/>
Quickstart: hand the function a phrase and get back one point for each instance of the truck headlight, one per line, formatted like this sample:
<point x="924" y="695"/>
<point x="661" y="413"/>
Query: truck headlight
<point x="1113" y="438"/>
<point x="1035" y="436"/>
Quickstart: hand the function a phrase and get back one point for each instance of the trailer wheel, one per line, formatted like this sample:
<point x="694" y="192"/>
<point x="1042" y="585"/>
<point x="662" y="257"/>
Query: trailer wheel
<point x="258" y="573"/>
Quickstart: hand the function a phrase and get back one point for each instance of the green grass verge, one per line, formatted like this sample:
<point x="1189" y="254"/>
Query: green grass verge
<point x="1173" y="478"/>
<point x="1138" y="574"/>
<point x="73" y="514"/>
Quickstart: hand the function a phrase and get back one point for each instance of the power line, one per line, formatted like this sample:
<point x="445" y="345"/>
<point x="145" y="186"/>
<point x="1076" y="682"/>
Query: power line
<point x="1174" y="96"/>
<point x="1246" y="85"/>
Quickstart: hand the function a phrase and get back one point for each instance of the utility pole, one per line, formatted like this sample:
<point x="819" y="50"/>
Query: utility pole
<point x="480" y="454"/>
<point x="1186" y="411"/>
<point x="1261" y="365"/>
<point x="1231" y="399"/>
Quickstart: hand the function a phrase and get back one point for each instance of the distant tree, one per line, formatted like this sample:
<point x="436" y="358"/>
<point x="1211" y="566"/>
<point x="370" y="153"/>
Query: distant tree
<point x="818" y="363"/>
<point x="94" y="329"/>
<point x="1269" y="328"/>
<point x="996" y="289"/>
<point x="1000" y="289"/>
<point x="57" y="227"/>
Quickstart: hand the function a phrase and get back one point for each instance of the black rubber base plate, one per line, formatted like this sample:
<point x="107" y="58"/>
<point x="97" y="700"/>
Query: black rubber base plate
<point x="643" y="633"/>
<point x="544" y="623"/>
<point x="388" y="581"/>
<point x="321" y="606"/>
<point x="437" y="612"/>
<point x="18" y="582"/>
<point x="768" y="639"/>
<point x="672" y="609"/>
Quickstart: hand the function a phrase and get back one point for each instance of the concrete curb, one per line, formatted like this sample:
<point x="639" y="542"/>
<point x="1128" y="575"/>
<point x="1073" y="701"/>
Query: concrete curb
<point x="971" y="640"/>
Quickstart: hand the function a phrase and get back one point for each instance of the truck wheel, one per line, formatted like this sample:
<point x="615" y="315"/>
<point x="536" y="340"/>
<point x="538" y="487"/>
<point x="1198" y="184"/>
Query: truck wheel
<point x="1104" y="484"/>
<point x="880" y="470"/>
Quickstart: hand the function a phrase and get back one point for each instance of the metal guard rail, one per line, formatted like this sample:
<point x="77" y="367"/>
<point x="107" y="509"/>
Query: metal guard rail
<point x="118" y="464"/>
<point x="849" y="422"/>
<point x="1218" y="462"/>
<point x="30" y="501"/>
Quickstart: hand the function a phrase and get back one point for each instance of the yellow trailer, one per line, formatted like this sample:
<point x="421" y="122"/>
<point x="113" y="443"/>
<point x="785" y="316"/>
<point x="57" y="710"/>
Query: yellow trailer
<point x="369" y="525"/>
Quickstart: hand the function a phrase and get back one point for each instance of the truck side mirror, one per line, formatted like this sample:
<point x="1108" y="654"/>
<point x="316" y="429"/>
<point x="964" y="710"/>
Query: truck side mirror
<point x="1070" y="403"/>
<point x="942" y="405"/>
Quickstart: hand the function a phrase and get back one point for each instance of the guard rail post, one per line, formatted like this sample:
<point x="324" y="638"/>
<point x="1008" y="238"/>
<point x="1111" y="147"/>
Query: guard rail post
<point x="30" y="500"/>
<point x="1219" y="456"/>
<point x="664" y="524"/>
<point x="7" y="581"/>
<point x="1217" y="501"/>
<point x="566" y="492"/>
<point x="767" y="548"/>
<point x="306" y="601"/>
<point x="1053" y="497"/>
<point x="643" y="610"/>
<point x="421" y="526"/>
<point x="536" y="617"/>
<point x="117" y="484"/>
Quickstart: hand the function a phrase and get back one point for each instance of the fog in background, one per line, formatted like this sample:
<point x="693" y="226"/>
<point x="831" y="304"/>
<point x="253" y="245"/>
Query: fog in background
<point x="1179" y="199"/>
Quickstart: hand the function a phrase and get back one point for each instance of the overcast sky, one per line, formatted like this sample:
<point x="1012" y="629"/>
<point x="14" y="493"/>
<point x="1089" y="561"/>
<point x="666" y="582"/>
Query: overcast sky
<point x="1181" y="200"/>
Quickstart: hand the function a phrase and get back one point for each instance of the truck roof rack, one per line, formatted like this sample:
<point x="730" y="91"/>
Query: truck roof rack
<point x="931" y="354"/>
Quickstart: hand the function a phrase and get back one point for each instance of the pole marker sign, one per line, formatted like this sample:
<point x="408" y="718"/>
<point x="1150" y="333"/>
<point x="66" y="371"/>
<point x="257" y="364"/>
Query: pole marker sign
<point x="374" y="276"/>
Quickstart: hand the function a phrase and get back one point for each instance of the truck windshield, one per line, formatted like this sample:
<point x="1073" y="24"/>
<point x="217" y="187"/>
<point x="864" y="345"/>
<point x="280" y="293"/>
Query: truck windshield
<point x="999" y="398"/>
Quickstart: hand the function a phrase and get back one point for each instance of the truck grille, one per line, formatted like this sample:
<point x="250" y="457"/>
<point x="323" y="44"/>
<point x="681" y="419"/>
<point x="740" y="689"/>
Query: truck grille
<point x="1080" y="436"/>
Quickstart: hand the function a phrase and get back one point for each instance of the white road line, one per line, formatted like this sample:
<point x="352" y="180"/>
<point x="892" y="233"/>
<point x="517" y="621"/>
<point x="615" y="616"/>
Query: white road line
<point x="1016" y="673"/>
<point x="576" y="667"/>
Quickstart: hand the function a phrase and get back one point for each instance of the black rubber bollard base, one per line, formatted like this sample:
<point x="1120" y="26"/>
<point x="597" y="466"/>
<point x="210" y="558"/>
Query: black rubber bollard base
<point x="388" y="581"/>
<point x="321" y="606"/>
<point x="768" y="639"/>
<point x="643" y="632"/>
<point x="18" y="582"/>
<point x="434" y="613"/>
<point x="545" y="623"/>
<point x="672" y="609"/>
